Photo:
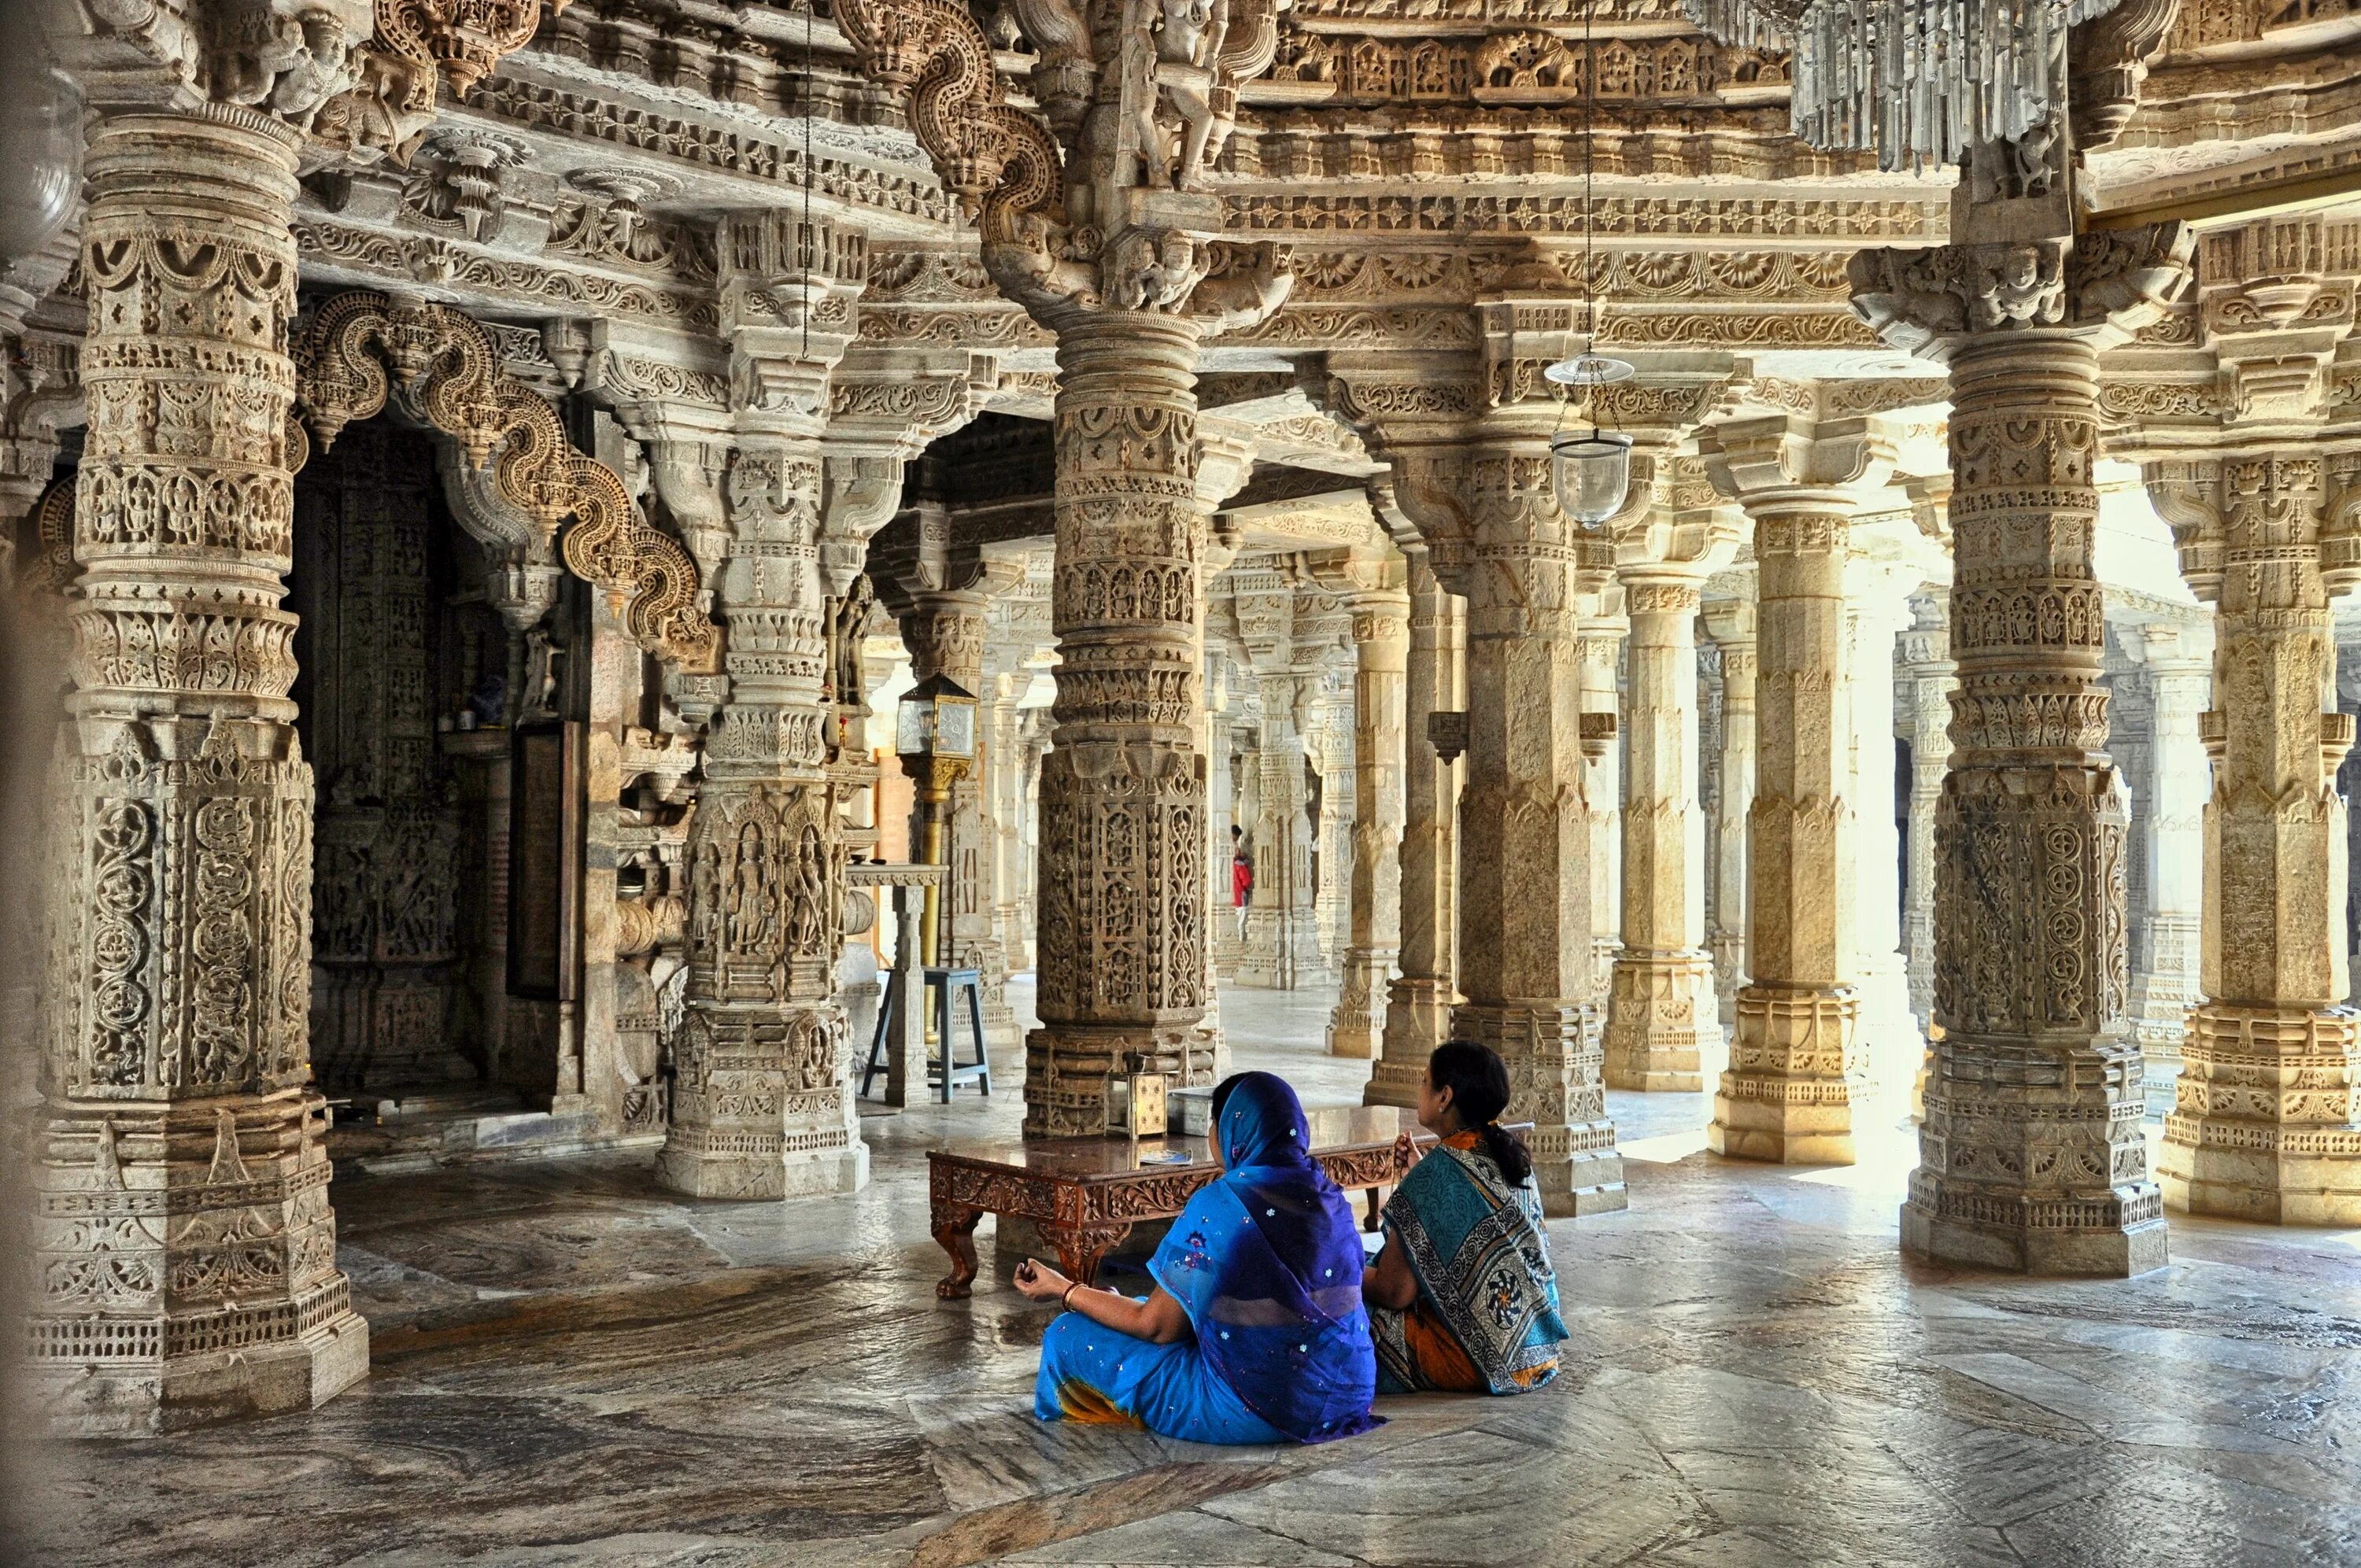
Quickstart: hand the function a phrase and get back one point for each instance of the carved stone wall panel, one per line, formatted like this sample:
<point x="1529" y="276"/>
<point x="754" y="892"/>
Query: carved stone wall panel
<point x="384" y="912"/>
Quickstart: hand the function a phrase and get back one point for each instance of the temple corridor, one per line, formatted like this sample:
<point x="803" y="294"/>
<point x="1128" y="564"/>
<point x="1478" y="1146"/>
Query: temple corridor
<point x="570" y="1367"/>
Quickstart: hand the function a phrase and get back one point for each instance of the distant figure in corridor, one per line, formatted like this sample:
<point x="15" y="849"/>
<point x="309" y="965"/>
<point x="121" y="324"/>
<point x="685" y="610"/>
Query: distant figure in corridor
<point x="1462" y="1298"/>
<point x="1241" y="878"/>
<point x="1253" y="1332"/>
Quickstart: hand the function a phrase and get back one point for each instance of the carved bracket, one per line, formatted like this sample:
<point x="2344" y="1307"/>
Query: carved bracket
<point x="449" y="371"/>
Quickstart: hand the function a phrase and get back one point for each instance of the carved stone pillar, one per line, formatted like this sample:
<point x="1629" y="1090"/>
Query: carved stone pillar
<point x="1663" y="982"/>
<point x="946" y="632"/>
<point x="1338" y="766"/>
<point x="760" y="1106"/>
<point x="1730" y="622"/>
<point x="1122" y="790"/>
<point x="1525" y="927"/>
<point x="1795" y="1068"/>
<point x="1004" y="816"/>
<point x="184" y="1266"/>
<point x="1381" y="657"/>
<point x="2031" y="1155"/>
<point x="2169" y="953"/>
<point x="1220" y="810"/>
<point x="1929" y="667"/>
<point x="1282" y="942"/>
<point x="1888" y="1032"/>
<point x="2263" y="1124"/>
<point x="1601" y="654"/>
<point x="1420" y="1000"/>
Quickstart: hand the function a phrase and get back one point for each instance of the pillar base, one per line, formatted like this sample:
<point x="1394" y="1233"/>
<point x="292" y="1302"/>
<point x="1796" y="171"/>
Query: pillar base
<point x="184" y="1266"/>
<point x="140" y="1397"/>
<point x="1067" y="1066"/>
<point x="1282" y="950"/>
<point x="1795" y="1076"/>
<point x="2263" y="1124"/>
<point x="1357" y="1027"/>
<point x="1729" y="950"/>
<point x="1418" y="1019"/>
<point x="2159" y="1020"/>
<point x="1553" y="1081"/>
<point x="1886" y="1036"/>
<point x="2115" y="1234"/>
<point x="1656" y="1021"/>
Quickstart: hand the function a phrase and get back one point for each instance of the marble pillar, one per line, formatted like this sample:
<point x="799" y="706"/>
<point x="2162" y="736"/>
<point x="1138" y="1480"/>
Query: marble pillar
<point x="184" y="1265"/>
<point x="1419" y="1002"/>
<point x="1381" y="657"/>
<point x="1796" y="1071"/>
<point x="1887" y="1029"/>
<point x="1339" y="764"/>
<point x="2263" y="1124"/>
<point x="1122" y="931"/>
<point x="1926" y="666"/>
<point x="1526" y="923"/>
<point x="1600" y="642"/>
<point x="1661" y="1000"/>
<point x="759" y="1107"/>
<point x="2031" y="1155"/>
<point x="1731" y="624"/>
<point x="1221" y="814"/>
<point x="1282" y="940"/>
<point x="1005" y="804"/>
<point x="2168" y="821"/>
<point x="946" y="632"/>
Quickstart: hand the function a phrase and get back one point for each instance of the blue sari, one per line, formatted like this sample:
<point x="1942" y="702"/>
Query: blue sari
<point x="1266" y="1261"/>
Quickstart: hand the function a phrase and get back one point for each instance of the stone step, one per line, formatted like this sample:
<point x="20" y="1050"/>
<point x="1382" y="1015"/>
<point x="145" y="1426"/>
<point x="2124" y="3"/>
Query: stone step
<point x="498" y="1128"/>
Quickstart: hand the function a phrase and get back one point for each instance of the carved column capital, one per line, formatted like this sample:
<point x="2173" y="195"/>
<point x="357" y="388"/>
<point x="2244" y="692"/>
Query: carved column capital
<point x="2099" y="288"/>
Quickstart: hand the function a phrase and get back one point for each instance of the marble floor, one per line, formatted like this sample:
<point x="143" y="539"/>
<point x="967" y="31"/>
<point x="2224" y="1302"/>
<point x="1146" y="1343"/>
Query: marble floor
<point x="573" y="1368"/>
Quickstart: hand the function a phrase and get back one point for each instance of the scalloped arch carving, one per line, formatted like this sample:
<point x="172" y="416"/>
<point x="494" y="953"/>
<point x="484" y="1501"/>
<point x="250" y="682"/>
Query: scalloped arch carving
<point x="449" y="371"/>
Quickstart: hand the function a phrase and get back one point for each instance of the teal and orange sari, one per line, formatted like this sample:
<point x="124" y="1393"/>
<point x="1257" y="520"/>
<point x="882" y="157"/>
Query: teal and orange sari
<point x="1486" y="1319"/>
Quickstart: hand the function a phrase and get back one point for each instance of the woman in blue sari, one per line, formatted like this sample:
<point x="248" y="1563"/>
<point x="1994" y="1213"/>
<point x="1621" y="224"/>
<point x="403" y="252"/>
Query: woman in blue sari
<point x="1253" y="1332"/>
<point x="1463" y="1297"/>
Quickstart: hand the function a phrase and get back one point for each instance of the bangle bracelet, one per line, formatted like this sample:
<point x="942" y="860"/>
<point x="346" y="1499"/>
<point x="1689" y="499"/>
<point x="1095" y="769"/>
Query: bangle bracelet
<point x="1066" y="1301"/>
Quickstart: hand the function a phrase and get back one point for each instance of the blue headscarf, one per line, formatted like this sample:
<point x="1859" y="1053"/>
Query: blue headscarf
<point x="1267" y="1262"/>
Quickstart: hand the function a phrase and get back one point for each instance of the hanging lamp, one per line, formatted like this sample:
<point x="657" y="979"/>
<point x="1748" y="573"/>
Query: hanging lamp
<point x="1592" y="468"/>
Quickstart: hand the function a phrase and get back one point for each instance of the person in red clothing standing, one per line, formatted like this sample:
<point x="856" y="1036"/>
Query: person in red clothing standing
<point x="1241" y="877"/>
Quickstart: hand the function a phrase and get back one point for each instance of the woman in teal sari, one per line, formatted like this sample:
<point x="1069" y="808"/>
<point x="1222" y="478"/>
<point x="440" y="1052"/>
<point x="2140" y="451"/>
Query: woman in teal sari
<point x="1463" y="1297"/>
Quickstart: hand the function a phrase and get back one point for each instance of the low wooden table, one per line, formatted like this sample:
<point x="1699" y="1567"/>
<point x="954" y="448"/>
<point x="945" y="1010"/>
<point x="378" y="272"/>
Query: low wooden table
<point x="1087" y="1193"/>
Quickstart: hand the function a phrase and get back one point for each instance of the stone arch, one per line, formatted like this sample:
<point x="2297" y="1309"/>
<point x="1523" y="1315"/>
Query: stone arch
<point x="448" y="371"/>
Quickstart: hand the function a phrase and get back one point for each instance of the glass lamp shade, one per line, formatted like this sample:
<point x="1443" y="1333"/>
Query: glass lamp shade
<point x="40" y="141"/>
<point x="937" y="719"/>
<point x="1594" y="473"/>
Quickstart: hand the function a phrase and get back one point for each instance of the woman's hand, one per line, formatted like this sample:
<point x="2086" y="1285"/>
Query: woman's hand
<point x="1406" y="1149"/>
<point x="1039" y="1282"/>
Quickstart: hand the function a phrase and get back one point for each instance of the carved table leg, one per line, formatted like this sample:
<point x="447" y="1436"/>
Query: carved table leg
<point x="1080" y="1247"/>
<point x="954" y="1227"/>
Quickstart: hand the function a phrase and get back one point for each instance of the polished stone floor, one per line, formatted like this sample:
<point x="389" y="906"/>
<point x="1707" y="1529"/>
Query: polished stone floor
<point x="572" y="1368"/>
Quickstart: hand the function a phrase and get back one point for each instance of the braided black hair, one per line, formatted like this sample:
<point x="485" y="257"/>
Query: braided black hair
<point x="1479" y="1082"/>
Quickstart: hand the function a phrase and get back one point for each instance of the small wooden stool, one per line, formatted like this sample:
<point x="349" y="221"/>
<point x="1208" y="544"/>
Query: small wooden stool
<point x="944" y="1071"/>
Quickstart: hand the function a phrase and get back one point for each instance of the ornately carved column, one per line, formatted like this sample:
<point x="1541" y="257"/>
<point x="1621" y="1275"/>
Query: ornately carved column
<point x="1931" y="676"/>
<point x="946" y="632"/>
<point x="1601" y="643"/>
<point x="1888" y="1031"/>
<point x="2031" y="1155"/>
<point x="1525" y="919"/>
<point x="1123" y="916"/>
<point x="1730" y="623"/>
<point x="2170" y="954"/>
<point x="1282" y="942"/>
<point x="2263" y="1125"/>
<point x="1795" y="1069"/>
<point x="1660" y="1004"/>
<point x="1381" y="652"/>
<point x="184" y="1253"/>
<point x="1419" y="1002"/>
<point x="760" y="1108"/>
